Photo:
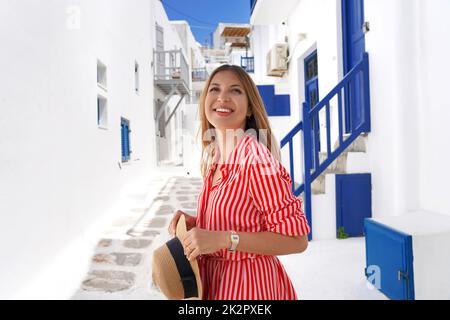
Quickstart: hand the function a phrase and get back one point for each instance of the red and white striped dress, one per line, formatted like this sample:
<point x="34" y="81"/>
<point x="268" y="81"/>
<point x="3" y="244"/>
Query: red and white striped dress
<point x="252" y="195"/>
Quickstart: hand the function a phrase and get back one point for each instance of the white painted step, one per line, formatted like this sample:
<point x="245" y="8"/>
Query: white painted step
<point x="324" y="211"/>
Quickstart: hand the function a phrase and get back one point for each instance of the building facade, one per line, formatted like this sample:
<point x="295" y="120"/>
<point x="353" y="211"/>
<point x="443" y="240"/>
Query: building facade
<point x="79" y="89"/>
<point x="386" y="55"/>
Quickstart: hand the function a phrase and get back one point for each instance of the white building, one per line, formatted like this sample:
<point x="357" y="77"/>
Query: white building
<point x="79" y="85"/>
<point x="405" y="146"/>
<point x="231" y="45"/>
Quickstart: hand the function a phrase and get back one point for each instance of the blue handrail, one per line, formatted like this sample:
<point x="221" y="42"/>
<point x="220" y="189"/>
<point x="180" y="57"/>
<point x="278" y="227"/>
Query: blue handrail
<point x="312" y="168"/>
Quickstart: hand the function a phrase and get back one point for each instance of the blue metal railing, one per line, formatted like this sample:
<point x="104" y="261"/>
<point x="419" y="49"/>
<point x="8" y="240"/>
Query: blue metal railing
<point x="357" y="78"/>
<point x="248" y="64"/>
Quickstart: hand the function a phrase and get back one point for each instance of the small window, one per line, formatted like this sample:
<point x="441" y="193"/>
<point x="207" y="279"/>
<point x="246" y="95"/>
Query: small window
<point x="101" y="75"/>
<point x="125" y="139"/>
<point x="102" y="112"/>
<point x="136" y="77"/>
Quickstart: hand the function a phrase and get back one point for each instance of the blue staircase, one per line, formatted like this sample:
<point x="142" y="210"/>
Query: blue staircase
<point x="355" y="85"/>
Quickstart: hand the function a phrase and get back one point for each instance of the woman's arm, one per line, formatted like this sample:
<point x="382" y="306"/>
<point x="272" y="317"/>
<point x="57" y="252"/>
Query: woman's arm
<point x="199" y="241"/>
<point x="268" y="243"/>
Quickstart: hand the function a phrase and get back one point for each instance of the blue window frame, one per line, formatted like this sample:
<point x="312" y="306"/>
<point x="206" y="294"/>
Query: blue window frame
<point x="125" y="139"/>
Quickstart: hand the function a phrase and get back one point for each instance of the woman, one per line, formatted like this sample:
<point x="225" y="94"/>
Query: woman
<point x="246" y="213"/>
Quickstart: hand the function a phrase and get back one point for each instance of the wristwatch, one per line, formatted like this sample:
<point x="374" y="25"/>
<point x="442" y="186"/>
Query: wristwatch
<point x="234" y="241"/>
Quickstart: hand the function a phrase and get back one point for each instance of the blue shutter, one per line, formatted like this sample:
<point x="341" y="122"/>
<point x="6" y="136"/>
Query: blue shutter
<point x="125" y="139"/>
<point x="122" y="132"/>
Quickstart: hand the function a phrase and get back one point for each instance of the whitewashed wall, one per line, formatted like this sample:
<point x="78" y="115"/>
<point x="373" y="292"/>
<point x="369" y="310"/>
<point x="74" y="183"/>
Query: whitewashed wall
<point x="434" y="106"/>
<point x="409" y="67"/>
<point x="60" y="173"/>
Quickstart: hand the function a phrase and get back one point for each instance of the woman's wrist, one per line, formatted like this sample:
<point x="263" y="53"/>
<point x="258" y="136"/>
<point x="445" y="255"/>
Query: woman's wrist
<point x="226" y="239"/>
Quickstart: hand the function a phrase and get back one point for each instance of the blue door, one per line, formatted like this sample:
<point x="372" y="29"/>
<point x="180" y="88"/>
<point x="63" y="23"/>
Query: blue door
<point x="354" y="46"/>
<point x="312" y="98"/>
<point x="353" y="202"/>
<point x="389" y="254"/>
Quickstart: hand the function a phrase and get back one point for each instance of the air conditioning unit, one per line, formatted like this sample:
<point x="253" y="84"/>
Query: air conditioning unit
<point x="277" y="60"/>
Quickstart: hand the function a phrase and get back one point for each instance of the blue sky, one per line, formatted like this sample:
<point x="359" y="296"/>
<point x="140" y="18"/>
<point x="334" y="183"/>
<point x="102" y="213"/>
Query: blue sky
<point x="204" y="15"/>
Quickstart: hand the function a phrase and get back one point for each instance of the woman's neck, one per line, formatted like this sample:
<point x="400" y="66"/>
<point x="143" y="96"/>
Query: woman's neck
<point x="227" y="140"/>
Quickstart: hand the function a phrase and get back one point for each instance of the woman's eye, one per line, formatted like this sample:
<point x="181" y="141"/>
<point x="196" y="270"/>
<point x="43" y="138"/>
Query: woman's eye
<point x="214" y="89"/>
<point x="237" y="91"/>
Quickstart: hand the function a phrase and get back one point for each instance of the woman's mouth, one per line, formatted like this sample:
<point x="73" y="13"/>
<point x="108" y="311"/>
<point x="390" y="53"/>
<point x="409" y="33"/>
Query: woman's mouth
<point x="223" y="112"/>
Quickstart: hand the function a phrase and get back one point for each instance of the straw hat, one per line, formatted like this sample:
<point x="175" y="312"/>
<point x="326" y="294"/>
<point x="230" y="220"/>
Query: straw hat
<point x="176" y="276"/>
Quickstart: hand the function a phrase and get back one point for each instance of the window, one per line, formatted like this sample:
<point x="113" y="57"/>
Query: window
<point x="102" y="112"/>
<point x="136" y="77"/>
<point x="125" y="139"/>
<point x="101" y="75"/>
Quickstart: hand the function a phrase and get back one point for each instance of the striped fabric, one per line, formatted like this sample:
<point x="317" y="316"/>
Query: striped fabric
<point x="252" y="195"/>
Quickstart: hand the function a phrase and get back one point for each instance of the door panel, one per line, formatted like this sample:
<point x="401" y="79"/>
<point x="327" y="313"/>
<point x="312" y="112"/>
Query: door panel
<point x="353" y="202"/>
<point x="354" y="48"/>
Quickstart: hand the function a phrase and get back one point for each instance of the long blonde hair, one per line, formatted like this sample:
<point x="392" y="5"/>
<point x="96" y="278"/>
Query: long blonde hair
<point x="258" y="120"/>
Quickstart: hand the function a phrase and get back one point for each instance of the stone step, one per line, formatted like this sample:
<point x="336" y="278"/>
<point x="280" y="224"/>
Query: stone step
<point x="359" y="145"/>
<point x="337" y="166"/>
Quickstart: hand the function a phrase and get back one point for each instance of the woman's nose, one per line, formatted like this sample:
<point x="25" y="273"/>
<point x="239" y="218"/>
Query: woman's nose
<point x="223" y="97"/>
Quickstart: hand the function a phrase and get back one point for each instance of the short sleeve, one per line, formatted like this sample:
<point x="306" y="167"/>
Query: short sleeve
<point x="270" y="190"/>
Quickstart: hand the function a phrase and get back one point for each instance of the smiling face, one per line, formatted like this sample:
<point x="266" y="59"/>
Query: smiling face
<point x="226" y="102"/>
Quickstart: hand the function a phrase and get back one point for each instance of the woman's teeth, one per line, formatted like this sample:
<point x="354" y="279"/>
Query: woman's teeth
<point x="223" y="110"/>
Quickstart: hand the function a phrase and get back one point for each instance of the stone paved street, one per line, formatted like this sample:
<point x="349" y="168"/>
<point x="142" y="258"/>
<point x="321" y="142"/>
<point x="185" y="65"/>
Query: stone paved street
<point x="121" y="262"/>
<point x="121" y="265"/>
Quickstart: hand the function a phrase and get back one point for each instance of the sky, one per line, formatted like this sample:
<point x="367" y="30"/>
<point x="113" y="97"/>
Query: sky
<point x="203" y="16"/>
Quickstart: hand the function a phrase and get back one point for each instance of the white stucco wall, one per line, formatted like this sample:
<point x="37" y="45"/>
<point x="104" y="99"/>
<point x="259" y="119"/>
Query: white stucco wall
<point x="434" y="105"/>
<point x="60" y="173"/>
<point x="409" y="67"/>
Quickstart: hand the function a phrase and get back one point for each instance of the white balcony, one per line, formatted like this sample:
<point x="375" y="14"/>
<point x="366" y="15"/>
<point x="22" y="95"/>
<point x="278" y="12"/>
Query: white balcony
<point x="171" y="71"/>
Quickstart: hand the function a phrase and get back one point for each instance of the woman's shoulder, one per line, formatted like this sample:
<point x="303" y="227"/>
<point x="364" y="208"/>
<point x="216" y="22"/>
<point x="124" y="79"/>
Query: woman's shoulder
<point x="257" y="152"/>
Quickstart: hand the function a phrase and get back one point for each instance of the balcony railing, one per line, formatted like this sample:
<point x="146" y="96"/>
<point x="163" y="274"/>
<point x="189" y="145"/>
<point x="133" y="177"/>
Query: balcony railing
<point x="217" y="59"/>
<point x="199" y="74"/>
<point x="248" y="63"/>
<point x="171" y="67"/>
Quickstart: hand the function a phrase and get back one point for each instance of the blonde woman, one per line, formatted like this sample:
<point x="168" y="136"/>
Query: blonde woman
<point x="246" y="213"/>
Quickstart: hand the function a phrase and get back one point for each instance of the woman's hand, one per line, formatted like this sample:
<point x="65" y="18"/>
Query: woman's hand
<point x="190" y="222"/>
<point x="200" y="241"/>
